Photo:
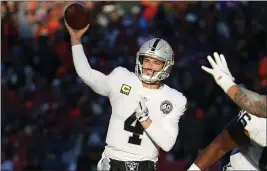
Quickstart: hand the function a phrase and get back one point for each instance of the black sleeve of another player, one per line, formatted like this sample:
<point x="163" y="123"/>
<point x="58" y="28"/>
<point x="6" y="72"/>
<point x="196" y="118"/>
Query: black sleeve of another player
<point x="238" y="133"/>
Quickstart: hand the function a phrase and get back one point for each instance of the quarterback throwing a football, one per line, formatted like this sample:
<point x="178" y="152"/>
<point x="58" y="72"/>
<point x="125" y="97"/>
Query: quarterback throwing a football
<point x="145" y="112"/>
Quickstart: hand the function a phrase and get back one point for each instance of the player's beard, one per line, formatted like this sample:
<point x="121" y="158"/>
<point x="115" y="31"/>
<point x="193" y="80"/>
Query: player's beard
<point x="154" y="72"/>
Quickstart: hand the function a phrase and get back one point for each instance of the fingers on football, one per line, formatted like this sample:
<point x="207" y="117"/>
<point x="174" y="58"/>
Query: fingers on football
<point x="85" y="28"/>
<point x="217" y="59"/>
<point x="208" y="70"/>
<point x="68" y="27"/>
<point x="66" y="24"/>
<point x="211" y="61"/>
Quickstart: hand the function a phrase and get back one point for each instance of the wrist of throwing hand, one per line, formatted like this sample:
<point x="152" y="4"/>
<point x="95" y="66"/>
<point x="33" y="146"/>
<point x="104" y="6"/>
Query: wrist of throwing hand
<point x="75" y="41"/>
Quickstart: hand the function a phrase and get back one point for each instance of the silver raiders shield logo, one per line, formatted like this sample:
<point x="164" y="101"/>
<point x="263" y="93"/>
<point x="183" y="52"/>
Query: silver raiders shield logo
<point x="131" y="166"/>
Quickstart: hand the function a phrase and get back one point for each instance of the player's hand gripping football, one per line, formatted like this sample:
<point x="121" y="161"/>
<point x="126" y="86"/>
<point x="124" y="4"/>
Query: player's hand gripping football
<point x="220" y="71"/>
<point x="75" y="34"/>
<point x="141" y="112"/>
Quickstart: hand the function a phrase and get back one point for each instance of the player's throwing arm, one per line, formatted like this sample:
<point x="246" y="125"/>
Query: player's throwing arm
<point x="95" y="79"/>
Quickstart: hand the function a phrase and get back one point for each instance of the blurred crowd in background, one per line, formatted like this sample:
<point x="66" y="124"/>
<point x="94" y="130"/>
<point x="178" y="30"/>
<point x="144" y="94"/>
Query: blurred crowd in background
<point x="51" y="120"/>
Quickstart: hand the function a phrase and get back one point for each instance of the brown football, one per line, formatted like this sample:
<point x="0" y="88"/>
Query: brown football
<point x="77" y="16"/>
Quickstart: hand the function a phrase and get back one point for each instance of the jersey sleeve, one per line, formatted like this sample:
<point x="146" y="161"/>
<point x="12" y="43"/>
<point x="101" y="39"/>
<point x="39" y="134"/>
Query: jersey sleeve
<point x="249" y="124"/>
<point x="257" y="130"/>
<point x="237" y="132"/>
<point x="116" y="75"/>
<point x="97" y="81"/>
<point x="165" y="133"/>
<point x="115" y="80"/>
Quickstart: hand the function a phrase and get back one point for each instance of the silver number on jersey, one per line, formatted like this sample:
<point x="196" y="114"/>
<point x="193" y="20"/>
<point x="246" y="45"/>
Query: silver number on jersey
<point x="137" y="130"/>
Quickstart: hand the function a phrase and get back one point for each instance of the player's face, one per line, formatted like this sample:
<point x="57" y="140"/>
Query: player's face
<point x="151" y="66"/>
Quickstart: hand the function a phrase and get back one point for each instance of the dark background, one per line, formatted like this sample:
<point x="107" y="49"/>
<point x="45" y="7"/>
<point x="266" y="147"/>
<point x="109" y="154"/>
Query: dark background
<point x="51" y="120"/>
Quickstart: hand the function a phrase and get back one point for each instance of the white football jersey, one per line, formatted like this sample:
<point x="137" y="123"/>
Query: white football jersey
<point x="126" y="139"/>
<point x="249" y="159"/>
<point x="255" y="126"/>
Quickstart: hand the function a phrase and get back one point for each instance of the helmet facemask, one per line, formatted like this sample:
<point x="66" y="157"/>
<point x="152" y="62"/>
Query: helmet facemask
<point x="162" y="74"/>
<point x="157" y="49"/>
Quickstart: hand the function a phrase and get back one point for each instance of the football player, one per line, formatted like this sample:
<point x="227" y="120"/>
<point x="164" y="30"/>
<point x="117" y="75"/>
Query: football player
<point x="248" y="132"/>
<point x="252" y="102"/>
<point x="246" y="136"/>
<point x="145" y="112"/>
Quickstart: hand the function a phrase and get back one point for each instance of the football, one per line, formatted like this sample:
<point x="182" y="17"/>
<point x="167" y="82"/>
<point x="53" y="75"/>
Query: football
<point x="77" y="16"/>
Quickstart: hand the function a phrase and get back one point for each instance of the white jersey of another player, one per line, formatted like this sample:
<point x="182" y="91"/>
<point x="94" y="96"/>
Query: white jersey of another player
<point x="255" y="126"/>
<point x="252" y="157"/>
<point x="126" y="139"/>
<point x="249" y="160"/>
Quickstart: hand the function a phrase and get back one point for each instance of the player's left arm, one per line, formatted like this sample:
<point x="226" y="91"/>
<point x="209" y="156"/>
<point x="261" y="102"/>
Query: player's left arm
<point x="165" y="132"/>
<point x="252" y="102"/>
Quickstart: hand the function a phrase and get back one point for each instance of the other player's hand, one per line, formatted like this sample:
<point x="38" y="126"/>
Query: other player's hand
<point x="141" y="112"/>
<point x="220" y="71"/>
<point x="75" y="34"/>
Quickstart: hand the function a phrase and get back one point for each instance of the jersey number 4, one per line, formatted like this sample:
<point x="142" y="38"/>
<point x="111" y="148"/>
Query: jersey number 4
<point x="137" y="129"/>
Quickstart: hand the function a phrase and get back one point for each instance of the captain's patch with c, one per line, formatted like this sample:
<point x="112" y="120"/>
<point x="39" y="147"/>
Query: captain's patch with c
<point x="125" y="89"/>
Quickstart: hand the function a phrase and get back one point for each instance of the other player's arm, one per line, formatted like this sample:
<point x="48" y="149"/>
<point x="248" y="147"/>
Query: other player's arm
<point x="247" y="100"/>
<point x="217" y="149"/>
<point x="95" y="79"/>
<point x="234" y="135"/>
<point x="252" y="102"/>
<point x="164" y="133"/>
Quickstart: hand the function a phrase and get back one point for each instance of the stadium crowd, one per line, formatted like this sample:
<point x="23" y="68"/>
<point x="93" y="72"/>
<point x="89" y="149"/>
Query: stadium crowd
<point x="52" y="120"/>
